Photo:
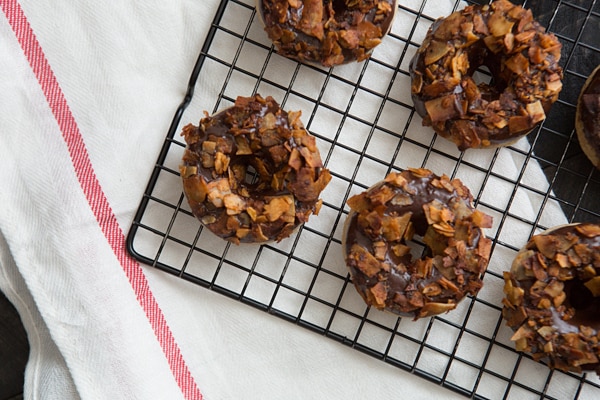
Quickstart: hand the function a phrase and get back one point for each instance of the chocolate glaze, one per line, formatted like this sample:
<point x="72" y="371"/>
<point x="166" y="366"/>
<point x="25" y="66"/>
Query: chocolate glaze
<point x="403" y="278"/>
<point x="579" y="309"/>
<point x="398" y="280"/>
<point x="579" y="298"/>
<point x="469" y="125"/>
<point x="588" y="117"/>
<point x="243" y="121"/>
<point x="279" y="17"/>
<point x="219" y="129"/>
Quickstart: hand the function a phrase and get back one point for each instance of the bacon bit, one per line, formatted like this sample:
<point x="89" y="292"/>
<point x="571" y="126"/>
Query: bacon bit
<point x="435" y="309"/>
<point x="378" y="295"/>
<point x="443" y="108"/>
<point x="364" y="261"/>
<point x="400" y="250"/>
<point x="594" y="286"/>
<point x="196" y="188"/>
<point x="281" y="207"/>
<point x="295" y="3"/>
<point x="381" y="195"/>
<point x="312" y="17"/>
<point x="396" y="179"/>
<point x="221" y="163"/>
<point x="312" y="158"/>
<point x="295" y="161"/>
<point x="432" y="290"/>
<point x="395" y="227"/>
<point x="258" y="233"/>
<point x="546" y="244"/>
<point x="519" y="123"/>
<point x="588" y="230"/>
<point x="536" y="112"/>
<point x="518" y="64"/>
<point x="436" y="51"/>
<point x="349" y="39"/>
<point x="358" y="202"/>
<point x="234" y="204"/>
<point x="380" y="250"/>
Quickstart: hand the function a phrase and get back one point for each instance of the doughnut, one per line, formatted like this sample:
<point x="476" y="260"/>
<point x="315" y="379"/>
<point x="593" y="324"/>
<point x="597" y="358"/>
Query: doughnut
<point x="251" y="173"/>
<point x="587" y="118"/>
<point x="381" y="225"/>
<point x="326" y="32"/>
<point x="521" y="57"/>
<point x="552" y="297"/>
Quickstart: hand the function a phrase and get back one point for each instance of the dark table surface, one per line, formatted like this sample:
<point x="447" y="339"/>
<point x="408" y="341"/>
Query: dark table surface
<point x="14" y="351"/>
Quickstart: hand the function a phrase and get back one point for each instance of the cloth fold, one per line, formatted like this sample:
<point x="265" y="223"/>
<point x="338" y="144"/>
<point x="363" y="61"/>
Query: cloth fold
<point x="99" y="324"/>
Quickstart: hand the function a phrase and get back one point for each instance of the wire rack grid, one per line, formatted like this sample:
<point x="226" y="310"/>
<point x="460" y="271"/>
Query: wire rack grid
<point x="365" y="124"/>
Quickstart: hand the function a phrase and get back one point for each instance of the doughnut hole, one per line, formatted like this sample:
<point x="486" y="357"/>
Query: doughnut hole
<point x="251" y="176"/>
<point x="480" y="58"/>
<point x="586" y="305"/>
<point x="246" y="172"/>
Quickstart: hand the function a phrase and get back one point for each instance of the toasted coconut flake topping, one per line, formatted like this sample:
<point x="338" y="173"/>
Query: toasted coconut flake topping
<point x="388" y="216"/>
<point x="548" y="276"/>
<point x="267" y="204"/>
<point x="522" y="57"/>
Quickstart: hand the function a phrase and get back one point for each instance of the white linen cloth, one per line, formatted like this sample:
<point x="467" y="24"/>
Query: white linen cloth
<point x="123" y="68"/>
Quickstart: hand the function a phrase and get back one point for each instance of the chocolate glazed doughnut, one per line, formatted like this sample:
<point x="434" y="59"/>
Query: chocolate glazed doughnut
<point x="523" y="61"/>
<point x="553" y="298"/>
<point x="587" y="118"/>
<point x="244" y="206"/>
<point x="387" y="216"/>
<point x="328" y="32"/>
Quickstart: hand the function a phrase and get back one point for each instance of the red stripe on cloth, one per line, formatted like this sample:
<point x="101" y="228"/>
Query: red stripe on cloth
<point x="95" y="195"/>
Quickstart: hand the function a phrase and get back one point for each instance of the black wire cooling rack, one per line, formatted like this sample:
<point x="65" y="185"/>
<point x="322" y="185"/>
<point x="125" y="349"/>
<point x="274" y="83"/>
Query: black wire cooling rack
<point x="366" y="127"/>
